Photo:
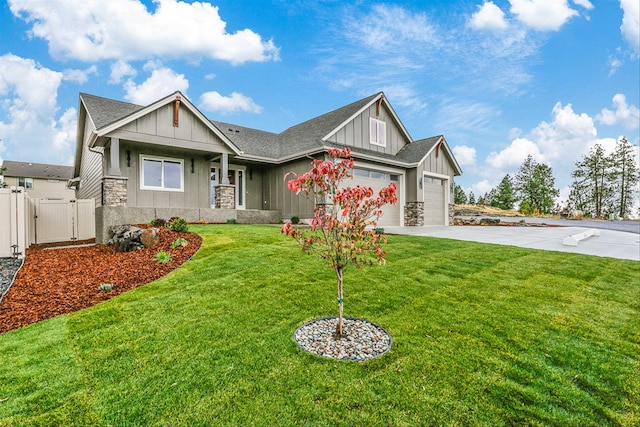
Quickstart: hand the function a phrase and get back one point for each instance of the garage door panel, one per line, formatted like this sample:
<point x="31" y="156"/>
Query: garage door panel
<point x="434" y="203"/>
<point x="390" y="213"/>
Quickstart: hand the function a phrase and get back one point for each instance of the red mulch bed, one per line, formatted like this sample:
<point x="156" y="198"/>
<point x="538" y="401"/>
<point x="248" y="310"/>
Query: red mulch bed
<point x="59" y="281"/>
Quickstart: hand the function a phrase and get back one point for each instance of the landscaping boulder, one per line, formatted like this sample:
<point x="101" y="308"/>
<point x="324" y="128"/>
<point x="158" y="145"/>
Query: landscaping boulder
<point x="126" y="238"/>
<point x="150" y="237"/>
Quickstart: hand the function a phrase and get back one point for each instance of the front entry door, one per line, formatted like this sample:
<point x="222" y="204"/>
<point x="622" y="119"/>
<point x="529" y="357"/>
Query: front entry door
<point x="236" y="178"/>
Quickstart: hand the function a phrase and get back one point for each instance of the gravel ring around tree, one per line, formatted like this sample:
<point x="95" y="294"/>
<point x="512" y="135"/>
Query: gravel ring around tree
<point x="362" y="339"/>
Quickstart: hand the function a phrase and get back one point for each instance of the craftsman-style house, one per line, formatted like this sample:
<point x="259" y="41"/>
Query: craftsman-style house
<point x="167" y="159"/>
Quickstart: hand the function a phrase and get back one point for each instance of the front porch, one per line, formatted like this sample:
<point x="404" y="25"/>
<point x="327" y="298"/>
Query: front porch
<point x="108" y="216"/>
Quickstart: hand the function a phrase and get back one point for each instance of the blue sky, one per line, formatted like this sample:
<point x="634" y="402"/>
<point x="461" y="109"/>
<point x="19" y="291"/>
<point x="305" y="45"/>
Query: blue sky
<point x="499" y="79"/>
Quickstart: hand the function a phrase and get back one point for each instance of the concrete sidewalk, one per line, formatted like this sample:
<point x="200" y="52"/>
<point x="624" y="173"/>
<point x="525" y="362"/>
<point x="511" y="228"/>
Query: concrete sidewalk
<point x="610" y="243"/>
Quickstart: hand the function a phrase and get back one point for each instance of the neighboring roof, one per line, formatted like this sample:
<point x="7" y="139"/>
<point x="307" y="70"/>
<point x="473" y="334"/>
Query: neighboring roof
<point x="37" y="170"/>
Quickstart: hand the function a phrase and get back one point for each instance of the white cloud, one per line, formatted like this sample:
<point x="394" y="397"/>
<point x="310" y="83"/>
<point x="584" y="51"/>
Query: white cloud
<point x="79" y="76"/>
<point x="392" y="26"/>
<point x="631" y="23"/>
<point x="214" y="101"/>
<point x="464" y="155"/>
<point x="124" y="29"/>
<point x="120" y="70"/>
<point x="568" y="132"/>
<point x="28" y="109"/>
<point x="627" y="115"/>
<point x="162" y="82"/>
<point x="558" y="143"/>
<point x="584" y="3"/>
<point x="488" y="17"/>
<point x="513" y="156"/>
<point x="614" y="63"/>
<point x="543" y="15"/>
<point x="481" y="188"/>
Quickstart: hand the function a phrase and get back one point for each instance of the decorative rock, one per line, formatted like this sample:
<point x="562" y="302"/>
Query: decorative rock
<point x="126" y="238"/>
<point x="489" y="221"/>
<point x="150" y="237"/>
<point x="8" y="269"/>
<point x="362" y="340"/>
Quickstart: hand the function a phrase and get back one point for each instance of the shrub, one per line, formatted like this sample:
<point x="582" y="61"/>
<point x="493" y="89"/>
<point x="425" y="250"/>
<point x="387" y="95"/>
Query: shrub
<point x="179" y="225"/>
<point x="232" y="221"/>
<point x="379" y="230"/>
<point x="105" y="287"/>
<point x="158" y="222"/>
<point x="179" y="242"/>
<point x="162" y="257"/>
<point x="295" y="219"/>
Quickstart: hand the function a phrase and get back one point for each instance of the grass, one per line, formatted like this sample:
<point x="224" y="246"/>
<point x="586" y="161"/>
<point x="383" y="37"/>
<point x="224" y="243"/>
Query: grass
<point x="483" y="335"/>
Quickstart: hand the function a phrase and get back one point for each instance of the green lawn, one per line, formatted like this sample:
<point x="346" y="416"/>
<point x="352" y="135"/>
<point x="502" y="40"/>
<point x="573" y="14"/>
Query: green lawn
<point x="483" y="335"/>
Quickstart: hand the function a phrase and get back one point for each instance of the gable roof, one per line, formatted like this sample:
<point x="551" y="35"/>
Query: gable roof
<point x="417" y="151"/>
<point x="104" y="111"/>
<point x="108" y="115"/>
<point x="309" y="137"/>
<point x="37" y="170"/>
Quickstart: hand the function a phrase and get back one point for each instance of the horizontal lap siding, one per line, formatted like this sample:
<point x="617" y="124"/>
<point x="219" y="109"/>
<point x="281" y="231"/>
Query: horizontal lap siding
<point x="91" y="170"/>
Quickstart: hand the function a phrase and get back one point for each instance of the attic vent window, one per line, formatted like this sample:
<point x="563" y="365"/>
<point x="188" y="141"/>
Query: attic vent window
<point x="377" y="132"/>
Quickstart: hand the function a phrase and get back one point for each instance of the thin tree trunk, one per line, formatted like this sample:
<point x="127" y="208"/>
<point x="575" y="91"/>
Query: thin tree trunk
<point x="339" y="329"/>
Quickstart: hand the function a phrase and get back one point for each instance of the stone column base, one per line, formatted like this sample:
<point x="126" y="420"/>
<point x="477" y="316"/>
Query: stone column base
<point x="225" y="196"/>
<point x="414" y="214"/>
<point x="114" y="191"/>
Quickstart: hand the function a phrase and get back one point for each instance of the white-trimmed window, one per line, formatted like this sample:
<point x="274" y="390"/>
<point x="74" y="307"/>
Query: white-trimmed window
<point x="25" y="182"/>
<point x="377" y="132"/>
<point x="160" y="173"/>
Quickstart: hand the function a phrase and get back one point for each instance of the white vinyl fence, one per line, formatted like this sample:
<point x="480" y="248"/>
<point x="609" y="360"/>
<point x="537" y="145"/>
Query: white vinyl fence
<point x="25" y="221"/>
<point x="14" y="222"/>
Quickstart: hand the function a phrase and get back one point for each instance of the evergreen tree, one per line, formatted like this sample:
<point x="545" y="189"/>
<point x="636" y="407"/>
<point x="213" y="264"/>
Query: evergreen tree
<point x="505" y="196"/>
<point x="489" y="197"/>
<point x="535" y="185"/>
<point x="472" y="198"/>
<point x="591" y="190"/>
<point x="459" y="196"/>
<point x="626" y="175"/>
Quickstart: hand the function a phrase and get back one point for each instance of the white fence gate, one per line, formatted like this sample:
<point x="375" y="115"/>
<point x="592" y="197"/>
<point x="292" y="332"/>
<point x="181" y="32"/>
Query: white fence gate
<point x="25" y="221"/>
<point x="62" y="220"/>
<point x="14" y="222"/>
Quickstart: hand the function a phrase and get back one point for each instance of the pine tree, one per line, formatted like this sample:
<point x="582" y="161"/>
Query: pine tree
<point x="626" y="175"/>
<point x="472" y="198"/>
<point x="592" y="190"/>
<point x="459" y="196"/>
<point x="535" y="186"/>
<point x="505" y="196"/>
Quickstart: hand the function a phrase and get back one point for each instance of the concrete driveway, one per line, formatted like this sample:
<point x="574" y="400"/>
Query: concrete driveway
<point x="610" y="243"/>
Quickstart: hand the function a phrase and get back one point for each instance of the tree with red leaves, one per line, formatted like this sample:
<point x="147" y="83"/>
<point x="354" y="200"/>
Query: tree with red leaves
<point x="342" y="231"/>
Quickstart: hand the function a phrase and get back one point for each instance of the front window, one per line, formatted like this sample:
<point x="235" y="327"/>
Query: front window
<point x="161" y="174"/>
<point x="25" y="182"/>
<point x="377" y="132"/>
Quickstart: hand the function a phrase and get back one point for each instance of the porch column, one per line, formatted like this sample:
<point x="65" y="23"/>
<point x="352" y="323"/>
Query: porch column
<point x="114" y="158"/>
<point x="225" y="169"/>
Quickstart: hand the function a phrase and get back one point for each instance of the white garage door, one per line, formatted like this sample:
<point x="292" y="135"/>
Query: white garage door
<point x="377" y="181"/>
<point x="434" y="201"/>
